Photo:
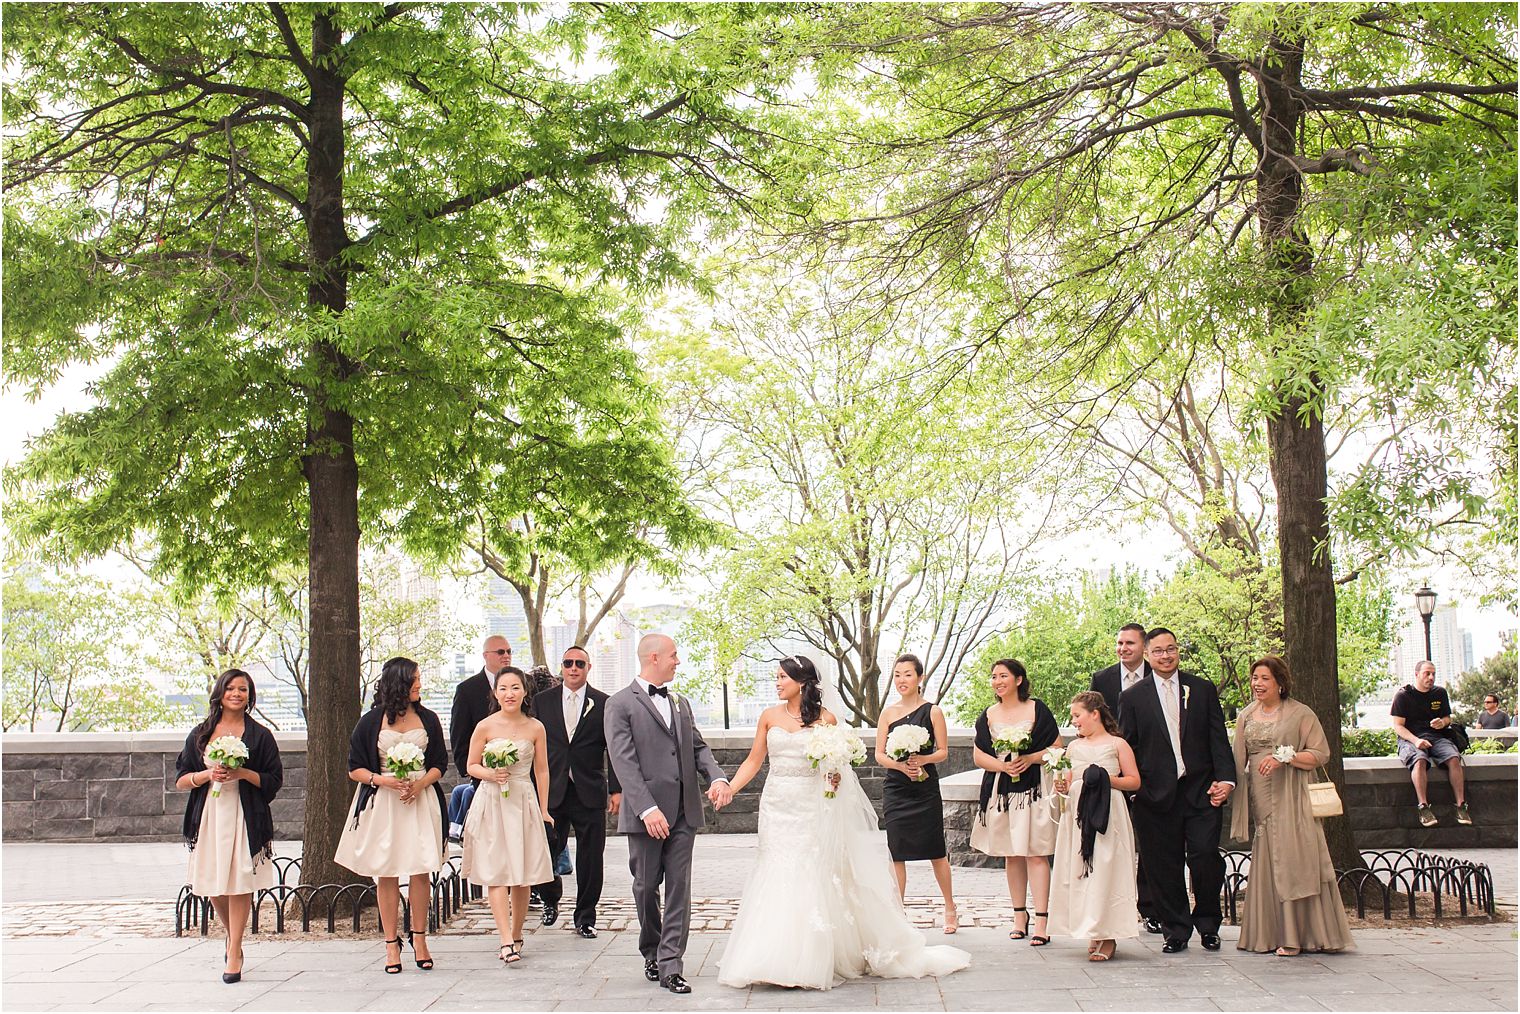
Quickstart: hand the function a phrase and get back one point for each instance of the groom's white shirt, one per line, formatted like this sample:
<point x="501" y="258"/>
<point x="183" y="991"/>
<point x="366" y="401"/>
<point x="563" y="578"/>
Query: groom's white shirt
<point x="662" y="705"/>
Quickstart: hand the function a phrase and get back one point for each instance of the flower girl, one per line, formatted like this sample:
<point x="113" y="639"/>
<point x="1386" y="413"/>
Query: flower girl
<point x="1092" y="890"/>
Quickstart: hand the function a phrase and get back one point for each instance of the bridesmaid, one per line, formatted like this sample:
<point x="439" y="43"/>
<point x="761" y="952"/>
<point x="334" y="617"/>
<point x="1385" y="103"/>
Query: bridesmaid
<point x="505" y="849"/>
<point x="1093" y="882"/>
<point x="911" y="807"/>
<point x="1292" y="902"/>
<point x="1016" y="827"/>
<point x="230" y="835"/>
<point x="397" y="828"/>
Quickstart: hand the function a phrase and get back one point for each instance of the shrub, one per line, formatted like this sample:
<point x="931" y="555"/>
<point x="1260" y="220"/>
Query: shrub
<point x="1368" y="743"/>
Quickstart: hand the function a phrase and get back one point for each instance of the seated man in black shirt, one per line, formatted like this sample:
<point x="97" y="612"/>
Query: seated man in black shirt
<point x="1422" y="721"/>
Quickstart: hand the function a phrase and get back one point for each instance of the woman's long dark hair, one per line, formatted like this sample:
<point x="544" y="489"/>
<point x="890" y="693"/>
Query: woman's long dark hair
<point x="493" y="705"/>
<point x="1091" y="700"/>
<point x="800" y="668"/>
<point x="393" y="690"/>
<point x="203" y="731"/>
<point x="1016" y="667"/>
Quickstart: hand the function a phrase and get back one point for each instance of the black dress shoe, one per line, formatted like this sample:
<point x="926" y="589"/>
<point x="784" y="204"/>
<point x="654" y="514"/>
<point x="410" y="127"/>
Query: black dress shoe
<point x="675" y="983"/>
<point x="230" y="977"/>
<point x="652" y="970"/>
<point x="1153" y="925"/>
<point x="551" y="914"/>
<point x="589" y="932"/>
<point x="1173" y="946"/>
<point x="1210" y="941"/>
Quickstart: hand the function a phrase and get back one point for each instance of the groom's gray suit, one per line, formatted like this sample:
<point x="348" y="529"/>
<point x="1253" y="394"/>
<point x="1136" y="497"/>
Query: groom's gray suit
<point x="657" y="765"/>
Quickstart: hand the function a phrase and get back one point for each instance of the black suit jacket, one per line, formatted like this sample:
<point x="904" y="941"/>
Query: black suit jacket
<point x="1205" y="745"/>
<point x="581" y="762"/>
<point x="1110" y="683"/>
<point x="472" y="699"/>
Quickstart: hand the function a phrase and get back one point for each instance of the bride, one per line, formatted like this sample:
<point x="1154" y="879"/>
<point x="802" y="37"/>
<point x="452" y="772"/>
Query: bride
<point x="821" y="904"/>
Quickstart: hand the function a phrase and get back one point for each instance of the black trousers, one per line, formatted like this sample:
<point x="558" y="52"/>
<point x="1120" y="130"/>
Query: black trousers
<point x="1168" y="839"/>
<point x="1142" y="889"/>
<point x="590" y="826"/>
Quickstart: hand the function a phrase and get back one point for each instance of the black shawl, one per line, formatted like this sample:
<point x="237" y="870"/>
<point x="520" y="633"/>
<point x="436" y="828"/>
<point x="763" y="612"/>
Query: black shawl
<point x="1092" y="811"/>
<point x="263" y="757"/>
<point x="1044" y="733"/>
<point x="364" y="752"/>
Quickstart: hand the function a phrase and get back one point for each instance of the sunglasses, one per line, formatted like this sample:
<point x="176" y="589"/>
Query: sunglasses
<point x="499" y="651"/>
<point x="574" y="663"/>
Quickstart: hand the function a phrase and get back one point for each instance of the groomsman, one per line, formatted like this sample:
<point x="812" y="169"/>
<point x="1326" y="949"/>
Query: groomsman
<point x="1129" y="645"/>
<point x="1175" y="725"/>
<point x="1131" y="668"/>
<point x="583" y="788"/>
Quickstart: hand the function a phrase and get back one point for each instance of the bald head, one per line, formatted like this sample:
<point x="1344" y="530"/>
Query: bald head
<point x="496" y="653"/>
<point x="657" y="658"/>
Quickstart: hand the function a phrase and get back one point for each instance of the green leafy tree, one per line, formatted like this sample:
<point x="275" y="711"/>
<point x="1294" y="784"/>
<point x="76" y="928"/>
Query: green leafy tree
<point x="346" y="266"/>
<point x="1497" y="676"/>
<point x="1067" y="160"/>
<point x="872" y="509"/>
<point x="71" y="658"/>
<point x="1064" y="633"/>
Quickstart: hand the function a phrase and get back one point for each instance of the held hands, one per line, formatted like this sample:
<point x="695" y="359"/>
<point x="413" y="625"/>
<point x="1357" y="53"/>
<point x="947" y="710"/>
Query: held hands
<point x="1220" y="791"/>
<point x="720" y="794"/>
<point x="912" y="768"/>
<point x="656" y="825"/>
<point x="1015" y="767"/>
<point x="221" y="773"/>
<point x="410" y="790"/>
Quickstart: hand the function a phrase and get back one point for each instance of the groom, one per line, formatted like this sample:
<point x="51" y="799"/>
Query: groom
<point x="656" y="752"/>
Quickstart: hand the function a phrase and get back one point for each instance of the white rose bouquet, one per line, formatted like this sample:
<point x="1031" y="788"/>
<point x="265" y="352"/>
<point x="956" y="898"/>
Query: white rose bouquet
<point x="832" y="749"/>
<point x="228" y="751"/>
<point x="404" y="760"/>
<point x="1008" y="741"/>
<point x="500" y="753"/>
<point x="906" y="740"/>
<point x="1057" y="761"/>
<point x="1284" y="754"/>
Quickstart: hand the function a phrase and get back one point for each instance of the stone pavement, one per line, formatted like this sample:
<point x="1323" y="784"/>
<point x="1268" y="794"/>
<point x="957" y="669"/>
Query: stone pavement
<point x="79" y="925"/>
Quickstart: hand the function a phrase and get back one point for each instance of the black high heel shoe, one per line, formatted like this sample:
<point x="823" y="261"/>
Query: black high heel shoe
<point x="230" y="977"/>
<point x="1020" y="934"/>
<point x="396" y="968"/>
<point x="1041" y="939"/>
<point x="426" y="964"/>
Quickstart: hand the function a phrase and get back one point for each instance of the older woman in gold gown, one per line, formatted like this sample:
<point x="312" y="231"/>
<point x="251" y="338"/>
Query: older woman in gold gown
<point x="1292" y="902"/>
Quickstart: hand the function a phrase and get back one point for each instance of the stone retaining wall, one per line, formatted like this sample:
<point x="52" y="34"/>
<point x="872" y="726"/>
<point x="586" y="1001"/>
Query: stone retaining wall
<point x="81" y="786"/>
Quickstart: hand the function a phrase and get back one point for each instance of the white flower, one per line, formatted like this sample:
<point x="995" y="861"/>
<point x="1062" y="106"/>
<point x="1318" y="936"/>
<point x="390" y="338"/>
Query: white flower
<point x="1056" y="759"/>
<point x="906" y="740"/>
<point x="1011" y="739"/>
<point x="1187" y="692"/>
<point x="500" y="753"/>
<point x="404" y="760"/>
<point x="1284" y="754"/>
<point x="228" y="751"/>
<point x="832" y="749"/>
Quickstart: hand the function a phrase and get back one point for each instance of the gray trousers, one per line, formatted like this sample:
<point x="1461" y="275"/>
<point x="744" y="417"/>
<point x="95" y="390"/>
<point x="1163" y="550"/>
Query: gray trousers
<point x="651" y="861"/>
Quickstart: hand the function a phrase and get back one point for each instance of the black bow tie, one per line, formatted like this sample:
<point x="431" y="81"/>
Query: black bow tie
<point x="660" y="692"/>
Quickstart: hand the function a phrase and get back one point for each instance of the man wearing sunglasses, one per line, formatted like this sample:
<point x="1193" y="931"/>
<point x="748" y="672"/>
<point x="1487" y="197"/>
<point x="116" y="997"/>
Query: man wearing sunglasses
<point x="583" y="789"/>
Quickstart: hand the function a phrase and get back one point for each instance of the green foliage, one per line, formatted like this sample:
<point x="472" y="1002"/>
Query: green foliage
<point x="1065" y="633"/>
<point x="71" y="660"/>
<point x="1368" y="743"/>
<point x="1492" y="745"/>
<point x="1365" y="619"/>
<point x="1497" y="676"/>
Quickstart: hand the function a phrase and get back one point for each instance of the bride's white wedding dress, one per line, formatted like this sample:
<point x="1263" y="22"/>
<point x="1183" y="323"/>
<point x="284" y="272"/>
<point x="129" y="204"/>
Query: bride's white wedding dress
<point x="821" y="905"/>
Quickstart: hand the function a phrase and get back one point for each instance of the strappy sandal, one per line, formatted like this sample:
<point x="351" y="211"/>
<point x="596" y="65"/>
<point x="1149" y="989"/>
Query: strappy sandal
<point x="1041" y="939"/>
<point x="426" y="964"/>
<point x="1100" y="954"/>
<point x="952" y="920"/>
<point x="396" y="968"/>
<point x="514" y="953"/>
<point x="1020" y="934"/>
<point x="1288" y="952"/>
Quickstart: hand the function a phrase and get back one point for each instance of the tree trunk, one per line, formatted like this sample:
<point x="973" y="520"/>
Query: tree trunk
<point x="1297" y="436"/>
<point x="332" y="477"/>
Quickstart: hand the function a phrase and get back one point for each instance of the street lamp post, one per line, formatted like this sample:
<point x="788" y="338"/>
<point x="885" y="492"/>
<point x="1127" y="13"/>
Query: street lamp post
<point x="725" y="693"/>
<point x="1425" y="602"/>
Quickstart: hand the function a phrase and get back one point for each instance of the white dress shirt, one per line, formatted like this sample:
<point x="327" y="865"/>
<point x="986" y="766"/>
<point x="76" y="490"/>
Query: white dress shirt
<point x="574" y="701"/>
<point x="1167" y="690"/>
<point x="1129" y="677"/>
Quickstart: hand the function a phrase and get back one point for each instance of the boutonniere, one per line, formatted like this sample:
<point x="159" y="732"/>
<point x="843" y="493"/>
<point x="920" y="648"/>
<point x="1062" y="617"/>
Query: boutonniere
<point x="587" y="709"/>
<point x="1187" y="693"/>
